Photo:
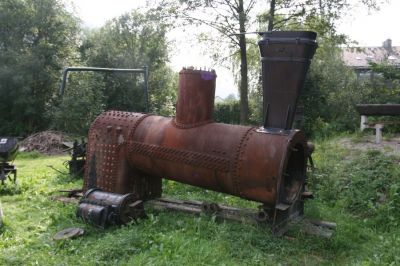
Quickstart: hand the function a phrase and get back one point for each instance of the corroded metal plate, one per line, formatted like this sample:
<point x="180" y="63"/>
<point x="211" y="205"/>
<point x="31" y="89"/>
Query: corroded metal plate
<point x="68" y="233"/>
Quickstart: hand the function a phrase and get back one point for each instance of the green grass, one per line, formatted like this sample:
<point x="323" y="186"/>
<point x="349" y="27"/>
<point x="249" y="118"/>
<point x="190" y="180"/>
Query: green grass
<point x="349" y="187"/>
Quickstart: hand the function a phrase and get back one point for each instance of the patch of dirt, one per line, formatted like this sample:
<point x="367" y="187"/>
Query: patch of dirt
<point x="46" y="142"/>
<point x="389" y="146"/>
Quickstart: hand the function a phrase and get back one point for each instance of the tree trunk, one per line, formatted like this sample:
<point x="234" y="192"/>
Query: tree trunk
<point x="244" y="101"/>
<point x="271" y="15"/>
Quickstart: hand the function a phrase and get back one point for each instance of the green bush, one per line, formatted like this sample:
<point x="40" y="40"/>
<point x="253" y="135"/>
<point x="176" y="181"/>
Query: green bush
<point x="81" y="103"/>
<point x="37" y="38"/>
<point x="367" y="184"/>
<point x="227" y="112"/>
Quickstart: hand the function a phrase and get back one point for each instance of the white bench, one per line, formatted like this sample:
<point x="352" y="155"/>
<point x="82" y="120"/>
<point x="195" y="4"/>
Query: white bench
<point x="378" y="128"/>
<point x="366" y="110"/>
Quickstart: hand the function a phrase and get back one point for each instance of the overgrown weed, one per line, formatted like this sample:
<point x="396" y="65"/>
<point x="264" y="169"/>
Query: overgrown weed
<point x="367" y="186"/>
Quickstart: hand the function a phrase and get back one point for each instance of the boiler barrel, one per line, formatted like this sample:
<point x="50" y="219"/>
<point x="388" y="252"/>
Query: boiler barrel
<point x="232" y="159"/>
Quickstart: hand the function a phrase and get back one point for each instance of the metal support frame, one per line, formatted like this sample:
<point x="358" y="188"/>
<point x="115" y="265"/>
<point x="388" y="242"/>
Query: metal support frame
<point x="6" y="169"/>
<point x="258" y="216"/>
<point x="144" y="71"/>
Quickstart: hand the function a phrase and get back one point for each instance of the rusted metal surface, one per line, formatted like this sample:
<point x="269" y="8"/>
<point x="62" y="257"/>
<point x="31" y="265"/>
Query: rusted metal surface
<point x="132" y="152"/>
<point x="78" y="158"/>
<point x="196" y="98"/>
<point x="260" y="217"/>
<point x="285" y="60"/>
<point x="107" y="167"/>
<point x="73" y="196"/>
<point x="104" y="208"/>
<point x="238" y="160"/>
<point x="250" y="216"/>
<point x="68" y="233"/>
<point x="220" y="157"/>
<point x="223" y="212"/>
<point x="378" y="109"/>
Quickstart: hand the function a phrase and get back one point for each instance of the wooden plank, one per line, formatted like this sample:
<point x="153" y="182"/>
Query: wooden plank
<point x="378" y="109"/>
<point x="318" y="228"/>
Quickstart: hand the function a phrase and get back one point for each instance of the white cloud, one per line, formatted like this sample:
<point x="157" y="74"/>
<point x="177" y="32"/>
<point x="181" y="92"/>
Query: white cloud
<point x="94" y="13"/>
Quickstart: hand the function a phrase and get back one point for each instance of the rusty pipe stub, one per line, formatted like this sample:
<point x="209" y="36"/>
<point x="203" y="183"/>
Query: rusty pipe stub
<point x="196" y="95"/>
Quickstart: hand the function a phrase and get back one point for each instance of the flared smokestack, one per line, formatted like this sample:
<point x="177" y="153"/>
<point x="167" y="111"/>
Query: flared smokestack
<point x="196" y="95"/>
<point x="286" y="57"/>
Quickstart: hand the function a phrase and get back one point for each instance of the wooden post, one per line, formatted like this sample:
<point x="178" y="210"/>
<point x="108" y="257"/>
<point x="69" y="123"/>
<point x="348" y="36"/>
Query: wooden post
<point x="363" y="123"/>
<point x="378" y="133"/>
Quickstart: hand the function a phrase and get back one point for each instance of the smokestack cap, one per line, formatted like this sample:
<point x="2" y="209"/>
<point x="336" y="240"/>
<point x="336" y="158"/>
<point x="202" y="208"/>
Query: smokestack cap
<point x="205" y="74"/>
<point x="288" y="36"/>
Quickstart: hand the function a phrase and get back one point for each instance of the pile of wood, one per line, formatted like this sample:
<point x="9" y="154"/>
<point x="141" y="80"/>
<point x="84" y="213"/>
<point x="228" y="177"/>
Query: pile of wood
<point x="46" y="142"/>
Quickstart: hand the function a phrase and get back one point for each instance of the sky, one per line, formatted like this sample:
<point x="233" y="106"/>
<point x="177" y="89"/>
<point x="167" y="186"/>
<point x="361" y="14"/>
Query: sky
<point x="372" y="28"/>
<point x="364" y="27"/>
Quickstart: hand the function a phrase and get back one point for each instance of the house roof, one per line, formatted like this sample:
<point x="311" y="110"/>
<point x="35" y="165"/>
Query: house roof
<point x="360" y="57"/>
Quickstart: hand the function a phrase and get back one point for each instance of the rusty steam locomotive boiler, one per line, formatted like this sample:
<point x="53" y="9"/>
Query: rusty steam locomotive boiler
<point x="130" y="153"/>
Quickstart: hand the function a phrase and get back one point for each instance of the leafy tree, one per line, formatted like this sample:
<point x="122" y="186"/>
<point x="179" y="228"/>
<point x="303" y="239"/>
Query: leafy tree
<point x="133" y="40"/>
<point x="81" y="103"/>
<point x="389" y="71"/>
<point x="384" y="87"/>
<point x="227" y="110"/>
<point x="330" y="93"/>
<point x="36" y="40"/>
<point x="283" y="14"/>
